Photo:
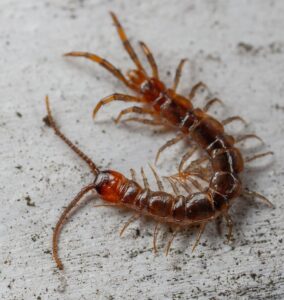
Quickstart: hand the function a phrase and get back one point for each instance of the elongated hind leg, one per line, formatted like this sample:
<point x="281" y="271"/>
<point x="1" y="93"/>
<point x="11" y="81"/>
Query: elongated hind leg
<point x="251" y="194"/>
<point x="150" y="59"/>
<point x="232" y="119"/>
<point x="127" y="46"/>
<point x="212" y="102"/>
<point x="104" y="63"/>
<point x="114" y="97"/>
<point x="199" y="234"/>
<point x="178" y="74"/>
<point x="130" y="220"/>
<point x="195" y="88"/>
<point x="168" y="144"/>
<point x="135" y="109"/>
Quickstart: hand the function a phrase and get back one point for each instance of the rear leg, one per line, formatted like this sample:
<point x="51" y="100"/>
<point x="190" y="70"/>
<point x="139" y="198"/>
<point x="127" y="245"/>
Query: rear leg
<point x="126" y="44"/>
<point x="150" y="59"/>
<point x="104" y="63"/>
<point x="114" y="97"/>
<point x="135" y="109"/>
<point x="168" y="144"/>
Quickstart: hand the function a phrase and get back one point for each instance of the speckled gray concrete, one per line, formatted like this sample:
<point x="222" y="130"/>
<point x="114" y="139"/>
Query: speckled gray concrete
<point x="236" y="47"/>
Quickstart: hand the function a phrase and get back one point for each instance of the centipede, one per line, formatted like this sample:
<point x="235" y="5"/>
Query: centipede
<point x="166" y="107"/>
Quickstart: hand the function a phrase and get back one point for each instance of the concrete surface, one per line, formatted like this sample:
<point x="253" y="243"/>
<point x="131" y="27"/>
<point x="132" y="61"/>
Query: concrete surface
<point x="236" y="47"/>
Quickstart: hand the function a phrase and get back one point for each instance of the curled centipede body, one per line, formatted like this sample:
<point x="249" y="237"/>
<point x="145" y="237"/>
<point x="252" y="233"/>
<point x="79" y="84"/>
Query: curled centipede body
<point x="117" y="190"/>
<point x="168" y="108"/>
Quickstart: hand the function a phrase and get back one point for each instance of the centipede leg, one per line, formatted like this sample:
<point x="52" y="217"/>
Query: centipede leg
<point x="146" y="121"/>
<point x="155" y="235"/>
<point x="130" y="220"/>
<point x="104" y="63"/>
<point x="248" y="136"/>
<point x="171" y="241"/>
<point x="178" y="74"/>
<point x="134" y="109"/>
<point x="211" y="102"/>
<point x="145" y="181"/>
<point x="133" y="175"/>
<point x="126" y="44"/>
<point x="232" y="119"/>
<point x="195" y="89"/>
<point x="114" y="97"/>
<point x="158" y="180"/>
<point x="259" y="196"/>
<point x="150" y="59"/>
<point x="173" y="185"/>
<point x="258" y="156"/>
<point x="168" y="144"/>
<point x="185" y="157"/>
<point x="200" y="232"/>
<point x="230" y="226"/>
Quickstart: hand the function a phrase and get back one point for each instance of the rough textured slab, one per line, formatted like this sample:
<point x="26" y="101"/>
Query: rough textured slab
<point x="236" y="47"/>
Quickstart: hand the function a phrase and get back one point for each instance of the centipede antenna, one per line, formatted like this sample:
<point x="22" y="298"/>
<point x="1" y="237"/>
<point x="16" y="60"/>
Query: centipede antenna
<point x="90" y="163"/>
<point x="62" y="219"/>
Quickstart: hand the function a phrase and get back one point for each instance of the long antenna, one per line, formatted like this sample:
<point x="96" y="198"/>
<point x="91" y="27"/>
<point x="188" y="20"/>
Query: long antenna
<point x="84" y="157"/>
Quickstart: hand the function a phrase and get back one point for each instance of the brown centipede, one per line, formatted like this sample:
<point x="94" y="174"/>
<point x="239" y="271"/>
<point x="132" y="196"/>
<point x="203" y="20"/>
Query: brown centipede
<point x="170" y="109"/>
<point x="117" y="190"/>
